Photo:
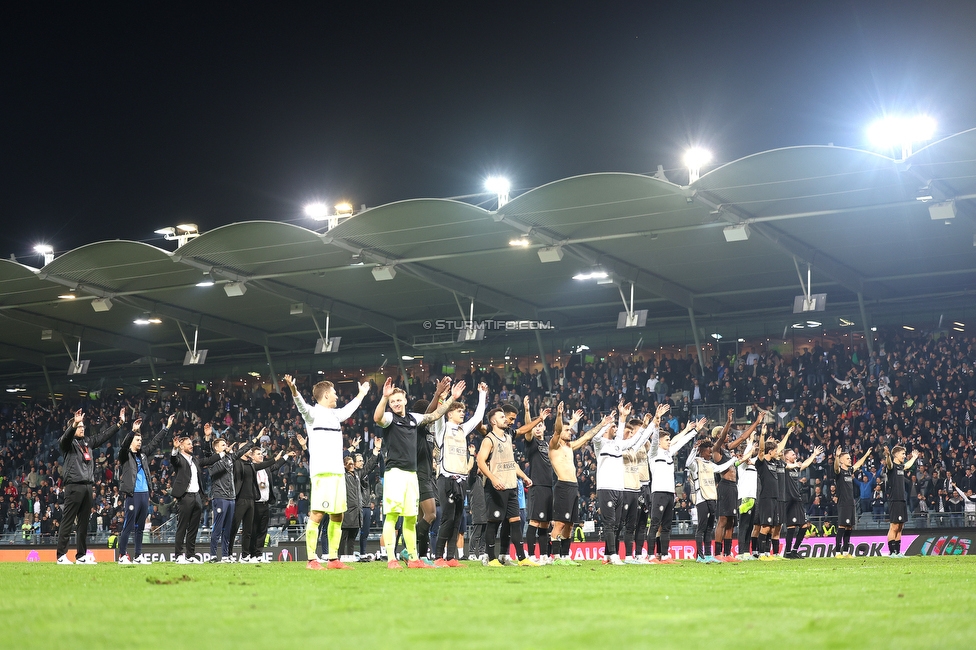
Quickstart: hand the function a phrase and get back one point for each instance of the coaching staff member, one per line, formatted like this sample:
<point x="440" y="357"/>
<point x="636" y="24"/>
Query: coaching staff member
<point x="78" y="474"/>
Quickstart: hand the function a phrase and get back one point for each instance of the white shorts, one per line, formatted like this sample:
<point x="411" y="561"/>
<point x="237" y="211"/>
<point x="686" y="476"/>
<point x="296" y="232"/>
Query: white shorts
<point x="401" y="493"/>
<point x="328" y="494"/>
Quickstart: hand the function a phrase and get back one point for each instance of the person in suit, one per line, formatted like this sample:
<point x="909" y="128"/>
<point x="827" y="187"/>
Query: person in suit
<point x="78" y="475"/>
<point x="134" y="485"/>
<point x="186" y="490"/>
<point x="264" y="470"/>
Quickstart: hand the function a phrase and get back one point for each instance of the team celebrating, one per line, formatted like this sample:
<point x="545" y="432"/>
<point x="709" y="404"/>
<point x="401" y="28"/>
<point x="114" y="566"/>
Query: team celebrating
<point x="434" y="457"/>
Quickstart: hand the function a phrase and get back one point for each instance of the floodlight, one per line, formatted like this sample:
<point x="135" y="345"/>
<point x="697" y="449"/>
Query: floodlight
<point x="696" y="158"/>
<point x="233" y="289"/>
<point x="101" y="304"/>
<point x="499" y="186"/>
<point x="893" y="131"/>
<point x="318" y="211"/>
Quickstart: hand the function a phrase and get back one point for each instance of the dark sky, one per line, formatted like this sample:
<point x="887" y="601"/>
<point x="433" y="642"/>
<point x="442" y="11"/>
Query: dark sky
<point x="115" y="123"/>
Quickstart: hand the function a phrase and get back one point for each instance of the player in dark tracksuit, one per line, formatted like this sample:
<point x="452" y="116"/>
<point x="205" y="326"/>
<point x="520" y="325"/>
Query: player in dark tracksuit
<point x="78" y="477"/>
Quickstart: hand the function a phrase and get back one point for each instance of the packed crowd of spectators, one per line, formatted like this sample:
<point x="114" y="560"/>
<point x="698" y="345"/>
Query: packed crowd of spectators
<point x="915" y="391"/>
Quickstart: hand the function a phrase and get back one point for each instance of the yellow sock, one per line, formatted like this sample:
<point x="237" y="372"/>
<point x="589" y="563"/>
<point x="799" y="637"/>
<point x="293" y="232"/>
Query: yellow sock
<point x="311" y="538"/>
<point x="335" y="536"/>
<point x="389" y="536"/>
<point x="410" y="536"/>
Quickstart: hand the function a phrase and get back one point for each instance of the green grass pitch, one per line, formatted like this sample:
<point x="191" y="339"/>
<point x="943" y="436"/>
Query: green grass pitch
<point x="921" y="602"/>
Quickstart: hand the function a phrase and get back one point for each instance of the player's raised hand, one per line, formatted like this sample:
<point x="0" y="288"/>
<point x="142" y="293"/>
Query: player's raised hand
<point x="388" y="387"/>
<point x="483" y="388"/>
<point x="546" y="412"/>
<point x="363" y="388"/>
<point x="79" y="417"/>
<point x="443" y="384"/>
<point x="701" y="423"/>
<point x="122" y="415"/>
<point x="170" y="421"/>
<point x="576" y="416"/>
<point x="624" y="409"/>
<point x="662" y="409"/>
<point x="731" y="415"/>
<point x="457" y="390"/>
<point x="289" y="380"/>
<point x="559" y="408"/>
<point x="207" y="430"/>
<point x="137" y="425"/>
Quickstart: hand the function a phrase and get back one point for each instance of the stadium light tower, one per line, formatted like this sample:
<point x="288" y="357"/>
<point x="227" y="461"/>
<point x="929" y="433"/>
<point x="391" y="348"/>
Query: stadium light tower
<point x="695" y="159"/>
<point x="498" y="186"/>
<point x="45" y="250"/>
<point x="891" y="132"/>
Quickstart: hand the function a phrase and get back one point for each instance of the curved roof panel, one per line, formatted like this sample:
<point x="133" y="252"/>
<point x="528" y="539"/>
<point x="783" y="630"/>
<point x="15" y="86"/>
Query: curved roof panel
<point x="119" y="266"/>
<point x="853" y="215"/>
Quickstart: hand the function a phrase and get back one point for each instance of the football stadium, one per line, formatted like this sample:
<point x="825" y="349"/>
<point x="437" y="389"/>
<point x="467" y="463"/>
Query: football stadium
<point x="728" y="401"/>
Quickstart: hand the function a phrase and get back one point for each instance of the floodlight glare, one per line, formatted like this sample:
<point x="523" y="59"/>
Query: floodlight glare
<point x="46" y="251"/>
<point x="318" y="211"/>
<point x="187" y="227"/>
<point x="697" y="157"/>
<point x="519" y="242"/>
<point x="593" y="275"/>
<point x="169" y="230"/>
<point x="499" y="186"/>
<point x="344" y="208"/>
<point x="893" y="131"/>
<point x="207" y="280"/>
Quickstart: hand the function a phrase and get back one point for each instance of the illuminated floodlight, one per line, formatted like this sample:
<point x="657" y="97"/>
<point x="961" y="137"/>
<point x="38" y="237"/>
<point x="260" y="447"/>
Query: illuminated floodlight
<point x="596" y="274"/>
<point x="344" y="209"/>
<point x="891" y="132"/>
<point x="317" y="210"/>
<point x="696" y="158"/>
<point x="46" y="251"/>
<point x="499" y="186"/>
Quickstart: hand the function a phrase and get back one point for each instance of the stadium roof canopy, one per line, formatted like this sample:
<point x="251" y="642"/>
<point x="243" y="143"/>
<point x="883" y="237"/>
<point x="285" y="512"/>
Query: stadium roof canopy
<point x="855" y="217"/>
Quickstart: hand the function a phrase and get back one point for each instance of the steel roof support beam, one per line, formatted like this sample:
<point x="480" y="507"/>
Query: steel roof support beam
<point x="652" y="282"/>
<point x="377" y="321"/>
<point x="228" y="328"/>
<point x="837" y="271"/>
<point x="448" y="282"/>
<point x="135" y="346"/>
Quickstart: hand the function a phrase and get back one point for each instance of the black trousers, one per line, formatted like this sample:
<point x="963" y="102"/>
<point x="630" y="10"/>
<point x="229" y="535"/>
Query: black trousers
<point x="77" y="507"/>
<point x="243" y="514"/>
<point x="450" y="493"/>
<point x="188" y="523"/>
<point x="259" y="530"/>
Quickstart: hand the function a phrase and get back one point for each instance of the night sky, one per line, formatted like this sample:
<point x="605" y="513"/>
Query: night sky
<point x="115" y="123"/>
